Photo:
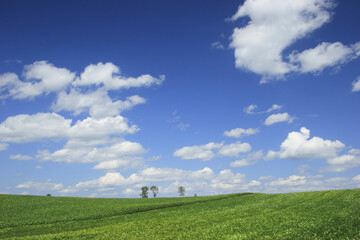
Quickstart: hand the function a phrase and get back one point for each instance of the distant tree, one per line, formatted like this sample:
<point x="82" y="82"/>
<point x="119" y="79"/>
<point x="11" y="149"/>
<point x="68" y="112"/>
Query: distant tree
<point x="144" y="192"/>
<point x="48" y="195"/>
<point x="181" y="191"/>
<point x="195" y="195"/>
<point x="155" y="190"/>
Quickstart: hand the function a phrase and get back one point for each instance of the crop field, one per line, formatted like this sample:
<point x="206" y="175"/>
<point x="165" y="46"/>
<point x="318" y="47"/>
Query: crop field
<point x="308" y="215"/>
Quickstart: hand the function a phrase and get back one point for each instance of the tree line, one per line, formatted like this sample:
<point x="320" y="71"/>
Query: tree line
<point x="155" y="190"/>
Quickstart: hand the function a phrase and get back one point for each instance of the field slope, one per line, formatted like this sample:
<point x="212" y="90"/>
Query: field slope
<point x="311" y="215"/>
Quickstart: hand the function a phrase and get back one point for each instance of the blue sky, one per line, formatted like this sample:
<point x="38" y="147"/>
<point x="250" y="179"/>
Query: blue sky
<point x="99" y="98"/>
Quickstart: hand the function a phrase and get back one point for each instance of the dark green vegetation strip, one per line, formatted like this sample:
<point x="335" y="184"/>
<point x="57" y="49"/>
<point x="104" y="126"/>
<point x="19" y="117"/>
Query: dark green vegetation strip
<point x="313" y="215"/>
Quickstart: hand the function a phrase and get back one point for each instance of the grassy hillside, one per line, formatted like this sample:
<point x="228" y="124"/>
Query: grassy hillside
<point x="313" y="215"/>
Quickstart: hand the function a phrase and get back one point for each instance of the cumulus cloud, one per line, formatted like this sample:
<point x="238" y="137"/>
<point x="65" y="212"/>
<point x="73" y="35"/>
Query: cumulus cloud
<point x="298" y="145"/>
<point x="97" y="103"/>
<point x="301" y="183"/>
<point x="274" y="25"/>
<point x="116" y="152"/>
<point x="234" y="149"/>
<point x="322" y="56"/>
<point x="28" y="128"/>
<point x="250" y="159"/>
<point x="145" y="176"/>
<point x="124" y="163"/>
<point x="278" y="117"/>
<point x="343" y="162"/>
<point x="95" y="131"/>
<point x="202" y="152"/>
<point x="293" y="180"/>
<point x="40" y="77"/>
<point x="169" y="179"/>
<point x="108" y="76"/>
<point x="240" y="132"/>
<point x="41" y="186"/>
<point x="356" y="85"/>
<point x="207" y="151"/>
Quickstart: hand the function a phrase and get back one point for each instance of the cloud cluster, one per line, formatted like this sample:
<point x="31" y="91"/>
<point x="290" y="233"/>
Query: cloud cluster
<point x="39" y="78"/>
<point x="209" y="151"/>
<point x="108" y="76"/>
<point x="250" y="159"/>
<point x="275" y="25"/>
<point x="252" y="107"/>
<point x="169" y="179"/>
<point x="99" y="137"/>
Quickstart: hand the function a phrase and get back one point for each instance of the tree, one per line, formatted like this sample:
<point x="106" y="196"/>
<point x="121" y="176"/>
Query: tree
<point x="48" y="195"/>
<point x="195" y="195"/>
<point x="155" y="190"/>
<point x="144" y="192"/>
<point x="181" y="191"/>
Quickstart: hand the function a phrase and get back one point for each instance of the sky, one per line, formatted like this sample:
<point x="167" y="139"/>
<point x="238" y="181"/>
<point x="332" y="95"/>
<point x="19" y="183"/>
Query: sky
<point x="100" y="98"/>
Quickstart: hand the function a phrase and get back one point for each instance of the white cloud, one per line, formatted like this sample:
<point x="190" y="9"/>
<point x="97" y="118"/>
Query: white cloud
<point x="297" y="145"/>
<point x="233" y="149"/>
<point x="129" y="191"/>
<point x="203" y="152"/>
<point x="29" y="128"/>
<point x="274" y="107"/>
<point x="250" y="159"/>
<point x="250" y="109"/>
<point x="94" y="131"/>
<point x="52" y="78"/>
<point x="206" y="152"/>
<point x="274" y="25"/>
<point x="107" y="75"/>
<point x="322" y="56"/>
<point x="356" y="178"/>
<point x="143" y="177"/>
<point x="97" y="103"/>
<point x="41" y="186"/>
<point x="111" y="179"/>
<point x="124" y="162"/>
<point x="240" y="132"/>
<point x="278" y="117"/>
<point x="40" y="77"/>
<point x="116" y="152"/>
<point x="20" y="157"/>
<point x="356" y="85"/>
<point x="293" y="180"/>
<point x="343" y="162"/>
<point x="227" y="181"/>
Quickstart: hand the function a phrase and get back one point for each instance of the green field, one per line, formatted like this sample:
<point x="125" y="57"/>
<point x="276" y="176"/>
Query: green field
<point x="310" y="215"/>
